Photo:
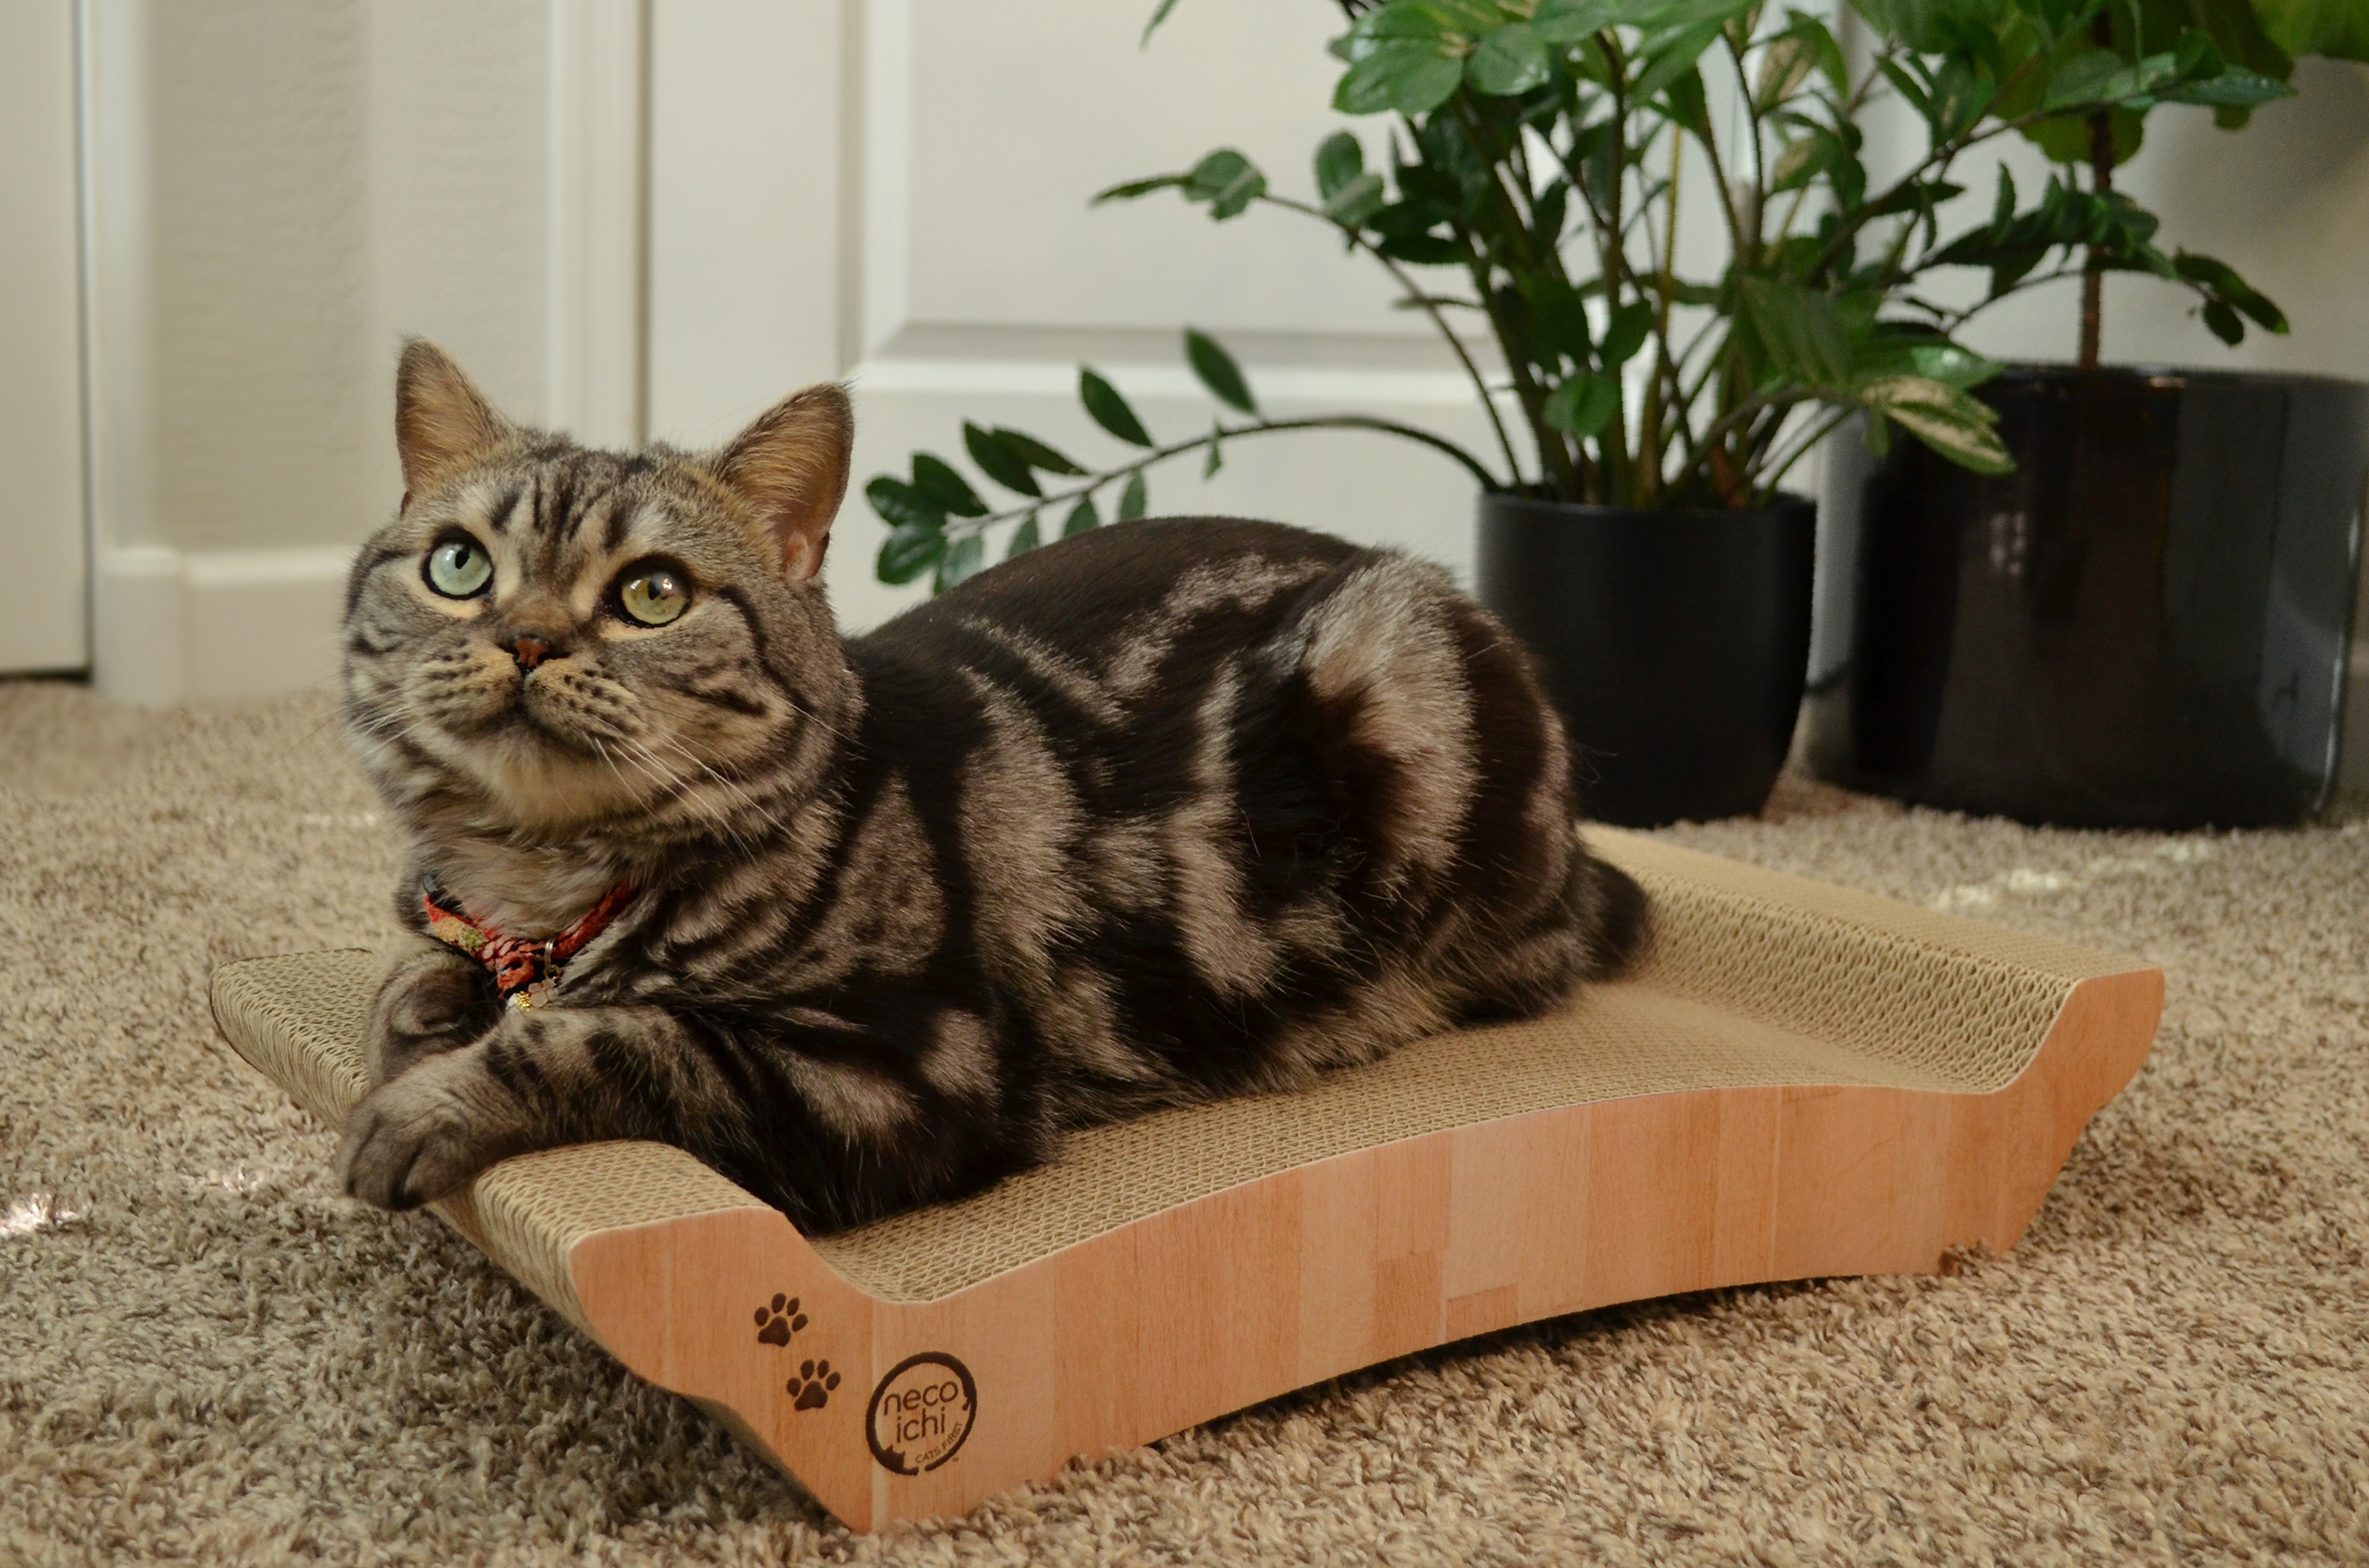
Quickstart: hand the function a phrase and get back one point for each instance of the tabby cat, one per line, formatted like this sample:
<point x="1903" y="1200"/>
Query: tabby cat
<point x="1165" y="811"/>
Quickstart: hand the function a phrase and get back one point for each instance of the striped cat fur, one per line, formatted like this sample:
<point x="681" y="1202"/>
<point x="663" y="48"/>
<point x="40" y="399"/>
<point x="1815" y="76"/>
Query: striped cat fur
<point x="1168" y="810"/>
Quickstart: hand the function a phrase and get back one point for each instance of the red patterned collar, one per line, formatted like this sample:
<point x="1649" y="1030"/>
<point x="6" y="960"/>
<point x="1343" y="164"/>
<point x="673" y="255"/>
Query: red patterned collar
<point x="525" y="970"/>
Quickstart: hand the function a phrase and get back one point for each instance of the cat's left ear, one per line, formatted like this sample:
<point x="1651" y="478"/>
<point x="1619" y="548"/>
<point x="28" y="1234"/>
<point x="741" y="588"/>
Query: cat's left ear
<point x="791" y="467"/>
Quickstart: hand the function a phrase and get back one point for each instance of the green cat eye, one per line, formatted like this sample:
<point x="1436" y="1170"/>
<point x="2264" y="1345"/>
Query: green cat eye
<point x="653" y="593"/>
<point x="459" y="568"/>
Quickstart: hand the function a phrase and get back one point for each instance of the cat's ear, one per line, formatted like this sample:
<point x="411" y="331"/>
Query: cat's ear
<point x="443" y="423"/>
<point x="791" y="468"/>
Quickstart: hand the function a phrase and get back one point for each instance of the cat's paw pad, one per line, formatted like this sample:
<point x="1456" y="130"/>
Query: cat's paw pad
<point x="777" y="1322"/>
<point x="811" y="1388"/>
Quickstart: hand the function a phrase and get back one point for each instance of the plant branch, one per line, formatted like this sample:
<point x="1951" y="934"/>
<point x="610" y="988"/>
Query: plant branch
<point x="957" y="527"/>
<point x="1430" y="308"/>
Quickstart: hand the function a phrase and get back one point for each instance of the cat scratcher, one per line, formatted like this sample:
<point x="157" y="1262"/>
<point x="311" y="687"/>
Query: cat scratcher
<point x="1800" y="1082"/>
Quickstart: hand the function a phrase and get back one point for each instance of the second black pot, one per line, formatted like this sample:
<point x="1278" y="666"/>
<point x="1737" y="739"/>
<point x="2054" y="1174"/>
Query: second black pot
<point x="1674" y="642"/>
<point x="2145" y="624"/>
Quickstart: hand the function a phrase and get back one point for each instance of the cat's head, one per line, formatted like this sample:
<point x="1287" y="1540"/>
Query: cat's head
<point x="549" y="642"/>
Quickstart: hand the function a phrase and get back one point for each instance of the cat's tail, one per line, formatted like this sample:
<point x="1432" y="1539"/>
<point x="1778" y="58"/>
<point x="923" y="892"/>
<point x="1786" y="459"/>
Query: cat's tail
<point x="1611" y="914"/>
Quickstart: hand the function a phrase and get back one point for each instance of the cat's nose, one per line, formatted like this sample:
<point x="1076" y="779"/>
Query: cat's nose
<point x="530" y="651"/>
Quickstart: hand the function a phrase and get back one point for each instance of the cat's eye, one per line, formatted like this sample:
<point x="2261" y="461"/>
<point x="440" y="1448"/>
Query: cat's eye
<point x="459" y="568"/>
<point x="652" y="593"/>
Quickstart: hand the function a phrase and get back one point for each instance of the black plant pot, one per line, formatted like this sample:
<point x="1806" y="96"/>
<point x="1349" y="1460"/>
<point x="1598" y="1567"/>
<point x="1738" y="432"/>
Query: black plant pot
<point x="2145" y="624"/>
<point x="1674" y="642"/>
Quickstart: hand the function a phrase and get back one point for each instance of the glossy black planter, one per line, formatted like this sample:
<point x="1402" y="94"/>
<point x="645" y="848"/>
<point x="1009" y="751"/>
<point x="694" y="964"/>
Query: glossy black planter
<point x="1673" y="643"/>
<point x="2145" y="624"/>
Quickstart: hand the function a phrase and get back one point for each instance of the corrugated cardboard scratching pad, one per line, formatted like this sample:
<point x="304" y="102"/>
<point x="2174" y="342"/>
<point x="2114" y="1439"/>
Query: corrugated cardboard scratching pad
<point x="1799" y="1082"/>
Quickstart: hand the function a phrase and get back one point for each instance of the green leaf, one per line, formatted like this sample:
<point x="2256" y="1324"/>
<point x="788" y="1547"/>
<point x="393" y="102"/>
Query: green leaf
<point x="1673" y="59"/>
<point x="1511" y="60"/>
<point x="1216" y="371"/>
<point x="1035" y="453"/>
<point x="1802" y="160"/>
<point x="2098" y="76"/>
<point x="2338" y="29"/>
<point x="1132" y="189"/>
<point x="1024" y="538"/>
<point x="1558" y="319"/>
<point x="1421" y="250"/>
<point x="910" y="550"/>
<point x="1953" y="423"/>
<point x="1446" y="25"/>
<point x="1133" y="499"/>
<point x="1662" y="15"/>
<point x="1892" y="348"/>
<point x="1800" y="329"/>
<point x="1785" y="65"/>
<point x="1625" y="334"/>
<point x="1082" y="516"/>
<point x="1583" y="405"/>
<point x="900" y="505"/>
<point x="1565" y="22"/>
<point x="2224" y="323"/>
<point x="1936" y="27"/>
<point x="962" y="560"/>
<point x="1686" y="104"/>
<point x="1158" y="16"/>
<point x="1907" y="87"/>
<point x="1961" y="93"/>
<point x="1227" y="181"/>
<point x="1339" y="160"/>
<point x="2219" y="280"/>
<point x="1952" y="366"/>
<point x="1411" y="78"/>
<point x="947" y="489"/>
<point x="998" y="461"/>
<point x="1108" y="410"/>
<point x="2235" y="87"/>
<point x="1356" y="201"/>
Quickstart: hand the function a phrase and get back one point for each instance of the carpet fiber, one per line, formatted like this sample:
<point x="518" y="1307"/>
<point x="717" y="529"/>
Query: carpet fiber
<point x="207" y="1355"/>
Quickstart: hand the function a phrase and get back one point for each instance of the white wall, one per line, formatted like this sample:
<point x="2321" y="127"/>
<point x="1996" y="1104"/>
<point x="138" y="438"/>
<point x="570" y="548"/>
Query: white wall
<point x="279" y="191"/>
<point x="40" y="378"/>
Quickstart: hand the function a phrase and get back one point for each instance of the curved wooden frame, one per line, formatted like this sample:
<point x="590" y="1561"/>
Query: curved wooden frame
<point x="1267" y="1286"/>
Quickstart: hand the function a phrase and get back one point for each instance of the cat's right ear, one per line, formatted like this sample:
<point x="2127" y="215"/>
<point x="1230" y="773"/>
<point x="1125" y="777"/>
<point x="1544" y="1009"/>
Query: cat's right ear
<point x="790" y="466"/>
<point x="443" y="423"/>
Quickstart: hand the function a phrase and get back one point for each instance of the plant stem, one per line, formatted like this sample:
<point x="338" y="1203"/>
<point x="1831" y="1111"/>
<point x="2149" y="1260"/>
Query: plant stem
<point x="2102" y="180"/>
<point x="1756" y="209"/>
<point x="1556" y="458"/>
<point x="1777" y="464"/>
<point x="1430" y="308"/>
<point x="2093" y="275"/>
<point x="957" y="526"/>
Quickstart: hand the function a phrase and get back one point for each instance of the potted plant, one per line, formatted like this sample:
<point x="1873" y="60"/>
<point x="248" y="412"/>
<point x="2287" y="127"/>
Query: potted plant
<point x="2146" y="621"/>
<point x="1525" y="197"/>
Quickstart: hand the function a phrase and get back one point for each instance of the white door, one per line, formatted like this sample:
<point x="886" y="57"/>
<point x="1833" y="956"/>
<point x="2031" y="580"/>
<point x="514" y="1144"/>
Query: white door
<point x="41" y="549"/>
<point x="895" y="192"/>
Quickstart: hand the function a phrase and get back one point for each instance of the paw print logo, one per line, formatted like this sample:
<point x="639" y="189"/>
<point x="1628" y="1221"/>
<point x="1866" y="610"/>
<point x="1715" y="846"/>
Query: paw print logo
<point x="811" y="1388"/>
<point x="777" y="1322"/>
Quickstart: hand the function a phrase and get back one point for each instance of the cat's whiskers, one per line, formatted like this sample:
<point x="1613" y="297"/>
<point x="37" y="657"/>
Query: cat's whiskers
<point x="746" y="799"/>
<point x="685" y="791"/>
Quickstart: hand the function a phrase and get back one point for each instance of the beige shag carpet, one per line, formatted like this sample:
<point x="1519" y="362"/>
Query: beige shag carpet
<point x="207" y="1355"/>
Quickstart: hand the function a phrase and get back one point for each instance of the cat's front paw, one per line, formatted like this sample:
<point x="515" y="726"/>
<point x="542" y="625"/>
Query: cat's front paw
<point x="430" y="1001"/>
<point x="422" y="1136"/>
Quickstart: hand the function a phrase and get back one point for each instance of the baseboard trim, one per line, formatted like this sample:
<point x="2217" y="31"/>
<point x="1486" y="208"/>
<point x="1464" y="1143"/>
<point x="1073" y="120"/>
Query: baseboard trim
<point x="210" y="626"/>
